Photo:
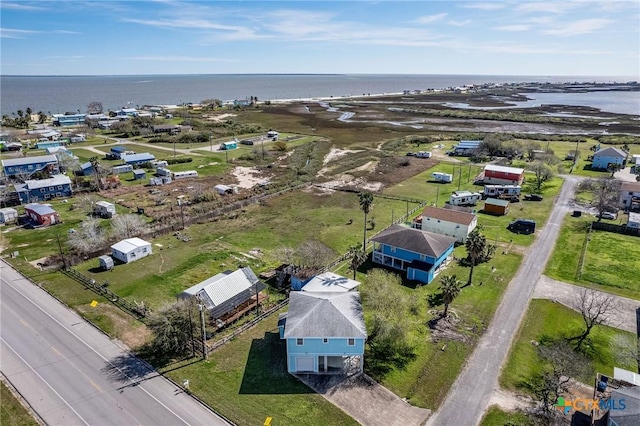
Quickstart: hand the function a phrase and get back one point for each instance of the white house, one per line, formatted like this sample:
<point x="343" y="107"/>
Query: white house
<point x="130" y="250"/>
<point x="447" y="222"/>
<point x="630" y="195"/>
<point x="464" y="198"/>
<point x="104" y="209"/>
<point x="8" y="215"/>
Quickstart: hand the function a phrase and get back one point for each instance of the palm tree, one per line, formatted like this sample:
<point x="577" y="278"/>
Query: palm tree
<point x="475" y="244"/>
<point x="366" y="201"/>
<point x="358" y="257"/>
<point x="450" y="287"/>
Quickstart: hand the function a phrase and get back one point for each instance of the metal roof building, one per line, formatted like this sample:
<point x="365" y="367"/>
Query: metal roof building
<point x="225" y="291"/>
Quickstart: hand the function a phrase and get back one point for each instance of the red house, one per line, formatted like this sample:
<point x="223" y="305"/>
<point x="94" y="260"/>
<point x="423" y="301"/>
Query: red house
<point x="42" y="214"/>
<point x="502" y="175"/>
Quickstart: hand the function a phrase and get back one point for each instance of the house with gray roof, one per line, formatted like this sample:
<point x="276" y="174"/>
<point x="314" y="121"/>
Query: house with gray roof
<point x="226" y="291"/>
<point x="324" y="332"/>
<point x="26" y="166"/>
<point x="606" y="156"/>
<point x="420" y="254"/>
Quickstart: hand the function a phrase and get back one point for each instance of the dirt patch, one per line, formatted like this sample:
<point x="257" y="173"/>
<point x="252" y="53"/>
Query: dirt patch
<point x="248" y="177"/>
<point x="337" y="153"/>
<point x="511" y="401"/>
<point x="393" y="170"/>
<point x="446" y="329"/>
<point x="125" y="328"/>
<point x="218" y="118"/>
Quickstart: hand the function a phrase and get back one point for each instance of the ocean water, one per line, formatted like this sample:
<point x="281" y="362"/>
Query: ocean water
<point x="59" y="94"/>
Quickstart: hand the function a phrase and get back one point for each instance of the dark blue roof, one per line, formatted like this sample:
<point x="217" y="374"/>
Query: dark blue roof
<point x="118" y="149"/>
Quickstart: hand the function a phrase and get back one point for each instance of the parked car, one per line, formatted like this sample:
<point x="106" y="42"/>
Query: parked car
<point x="522" y="226"/>
<point x="609" y="215"/>
<point x="533" y="197"/>
<point x="411" y="154"/>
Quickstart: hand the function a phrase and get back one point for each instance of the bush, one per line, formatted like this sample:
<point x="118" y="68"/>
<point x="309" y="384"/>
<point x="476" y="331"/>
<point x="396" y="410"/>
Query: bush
<point x="179" y="160"/>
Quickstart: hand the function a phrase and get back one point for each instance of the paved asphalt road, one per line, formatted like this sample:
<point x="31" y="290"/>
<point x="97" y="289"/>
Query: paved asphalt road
<point x="470" y="394"/>
<point x="72" y="374"/>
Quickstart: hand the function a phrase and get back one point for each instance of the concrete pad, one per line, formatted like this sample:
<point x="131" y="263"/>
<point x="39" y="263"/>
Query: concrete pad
<point x="366" y="401"/>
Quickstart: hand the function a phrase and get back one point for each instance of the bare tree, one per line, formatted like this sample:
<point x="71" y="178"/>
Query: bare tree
<point x="128" y="225"/>
<point x="543" y="173"/>
<point x="596" y="308"/>
<point x="88" y="238"/>
<point x="87" y="203"/>
<point x="560" y="365"/>
<point x="95" y="108"/>
<point x="313" y="254"/>
<point x="606" y="195"/>
<point x="531" y="147"/>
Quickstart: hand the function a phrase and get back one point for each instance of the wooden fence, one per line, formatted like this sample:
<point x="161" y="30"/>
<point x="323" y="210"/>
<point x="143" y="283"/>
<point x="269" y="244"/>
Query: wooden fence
<point x="619" y="229"/>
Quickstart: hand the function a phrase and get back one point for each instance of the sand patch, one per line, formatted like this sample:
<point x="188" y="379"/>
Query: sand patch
<point x="219" y="118"/>
<point x="336" y="153"/>
<point x="248" y="177"/>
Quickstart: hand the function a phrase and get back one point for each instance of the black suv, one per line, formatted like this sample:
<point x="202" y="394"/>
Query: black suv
<point x="522" y="226"/>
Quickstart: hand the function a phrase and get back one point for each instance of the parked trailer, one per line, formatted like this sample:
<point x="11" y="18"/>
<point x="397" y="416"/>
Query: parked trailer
<point x="185" y="175"/>
<point x="498" y="190"/>
<point x="464" y="198"/>
<point x="442" y="177"/>
<point x="161" y="171"/>
<point x="423" y="154"/>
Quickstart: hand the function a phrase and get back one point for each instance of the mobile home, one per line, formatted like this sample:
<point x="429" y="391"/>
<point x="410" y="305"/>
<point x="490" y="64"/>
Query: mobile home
<point x="185" y="175"/>
<point x="497" y="190"/>
<point x="442" y="177"/>
<point x="464" y="198"/>
<point x="104" y="209"/>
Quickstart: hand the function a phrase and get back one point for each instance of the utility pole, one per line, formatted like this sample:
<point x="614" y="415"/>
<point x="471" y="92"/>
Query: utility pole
<point x="64" y="262"/>
<point x="193" y="346"/>
<point x="210" y="143"/>
<point x="437" y="195"/>
<point x="257" y="299"/>
<point x="460" y="178"/>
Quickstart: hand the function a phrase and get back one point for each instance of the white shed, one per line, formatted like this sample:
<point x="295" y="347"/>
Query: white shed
<point x="104" y="209"/>
<point x="130" y="250"/>
<point x="8" y="215"/>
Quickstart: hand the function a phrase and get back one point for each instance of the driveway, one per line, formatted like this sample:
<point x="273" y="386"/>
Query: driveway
<point x="366" y="401"/>
<point x="471" y="393"/>
<point x="624" y="317"/>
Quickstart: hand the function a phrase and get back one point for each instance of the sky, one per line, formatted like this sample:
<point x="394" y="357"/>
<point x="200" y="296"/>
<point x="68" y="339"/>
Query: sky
<point x="533" y="38"/>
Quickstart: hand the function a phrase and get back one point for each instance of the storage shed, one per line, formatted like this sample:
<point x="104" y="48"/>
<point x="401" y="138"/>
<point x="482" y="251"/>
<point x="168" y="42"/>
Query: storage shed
<point x="139" y="174"/>
<point x="104" y="209"/>
<point x="496" y="206"/>
<point x="225" y="291"/>
<point x="130" y="250"/>
<point x="106" y="262"/>
<point x="122" y="169"/>
<point x="8" y="215"/>
<point x="224" y="189"/>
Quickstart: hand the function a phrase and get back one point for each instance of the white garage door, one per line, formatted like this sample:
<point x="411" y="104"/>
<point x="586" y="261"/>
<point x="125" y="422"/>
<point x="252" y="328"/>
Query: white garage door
<point x="304" y="364"/>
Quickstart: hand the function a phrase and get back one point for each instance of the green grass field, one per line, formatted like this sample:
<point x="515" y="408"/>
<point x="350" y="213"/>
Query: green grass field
<point x="12" y="412"/>
<point x="496" y="417"/>
<point x="548" y="321"/>
<point x="605" y="266"/>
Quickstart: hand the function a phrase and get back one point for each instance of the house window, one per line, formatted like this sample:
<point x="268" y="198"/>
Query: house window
<point x="30" y="167"/>
<point x="42" y="190"/>
<point x="60" y="187"/>
<point x="58" y="194"/>
<point x="325" y="340"/>
<point x="299" y="342"/>
<point x="51" y="189"/>
<point x="351" y="342"/>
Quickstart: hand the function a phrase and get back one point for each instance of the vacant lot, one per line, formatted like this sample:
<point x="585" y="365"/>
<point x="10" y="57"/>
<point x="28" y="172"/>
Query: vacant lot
<point x="600" y="260"/>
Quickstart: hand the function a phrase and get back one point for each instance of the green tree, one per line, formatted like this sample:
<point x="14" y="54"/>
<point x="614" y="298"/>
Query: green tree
<point x="365" y="200"/>
<point x="477" y="248"/>
<point x="450" y="288"/>
<point x="614" y="168"/>
<point x="173" y="327"/>
<point x="358" y="257"/>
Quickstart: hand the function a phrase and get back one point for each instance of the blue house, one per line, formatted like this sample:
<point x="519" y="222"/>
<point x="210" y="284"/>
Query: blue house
<point x="421" y="254"/>
<point x="26" y="166"/>
<point x="68" y="120"/>
<point x="87" y="168"/>
<point x="145" y="157"/>
<point x="606" y="156"/>
<point x="325" y="333"/>
<point x="226" y="146"/>
<point x="44" y="189"/>
<point x="48" y="144"/>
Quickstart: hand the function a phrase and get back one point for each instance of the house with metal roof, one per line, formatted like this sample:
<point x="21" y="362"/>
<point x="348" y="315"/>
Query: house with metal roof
<point x="68" y="119"/>
<point x="441" y="221"/>
<point x="503" y="175"/>
<point x="41" y="214"/>
<point x="226" y="291"/>
<point x="606" y="156"/>
<point x="26" y="166"/>
<point x="324" y="332"/>
<point x="420" y="254"/>
<point x="44" y="189"/>
<point x="130" y="250"/>
<point x="144" y="157"/>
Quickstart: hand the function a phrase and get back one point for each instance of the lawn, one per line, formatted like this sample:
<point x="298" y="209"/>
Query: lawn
<point x="605" y="265"/>
<point x="13" y="413"/>
<point x="247" y="381"/>
<point x="496" y="417"/>
<point x="548" y="321"/>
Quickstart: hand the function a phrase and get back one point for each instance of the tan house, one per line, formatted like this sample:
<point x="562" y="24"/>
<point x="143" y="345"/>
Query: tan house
<point x="447" y="222"/>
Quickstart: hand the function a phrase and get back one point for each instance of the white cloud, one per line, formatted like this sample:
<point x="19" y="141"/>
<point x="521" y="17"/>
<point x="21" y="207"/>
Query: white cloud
<point x="514" y="27"/>
<point x="557" y="7"/>
<point x="460" y="23"/>
<point x="17" y="6"/>
<point x="14" y="33"/>
<point x="484" y="6"/>
<point x="430" y="18"/>
<point x="584" y="26"/>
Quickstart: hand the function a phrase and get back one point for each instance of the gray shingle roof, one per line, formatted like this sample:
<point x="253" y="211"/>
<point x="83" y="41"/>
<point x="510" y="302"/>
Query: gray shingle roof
<point x="611" y="151"/>
<point x="414" y="240"/>
<point x="324" y="315"/>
